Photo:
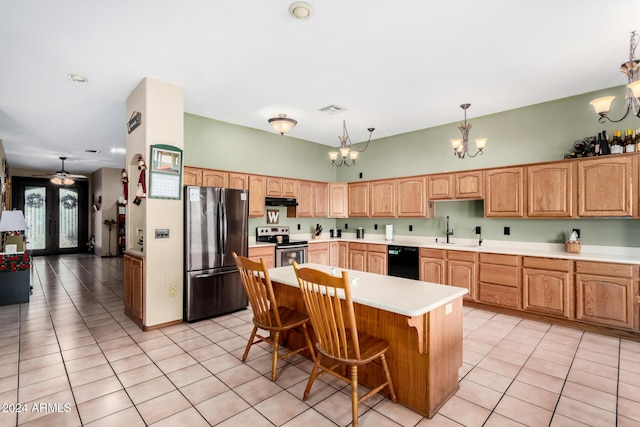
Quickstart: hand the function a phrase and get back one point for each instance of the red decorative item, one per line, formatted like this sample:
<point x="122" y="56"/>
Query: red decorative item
<point x="125" y="186"/>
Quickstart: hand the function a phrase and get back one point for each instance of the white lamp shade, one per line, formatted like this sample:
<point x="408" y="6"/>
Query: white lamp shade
<point x="353" y="155"/>
<point x="333" y="155"/>
<point x="59" y="180"/>
<point x="13" y="221"/>
<point x="455" y="143"/>
<point x="282" y="124"/>
<point x="481" y="142"/>
<point x="635" y="88"/>
<point x="602" y="105"/>
<point x="344" y="152"/>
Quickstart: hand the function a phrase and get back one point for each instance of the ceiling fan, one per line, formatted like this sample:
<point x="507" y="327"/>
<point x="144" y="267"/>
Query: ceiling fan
<point x="63" y="177"/>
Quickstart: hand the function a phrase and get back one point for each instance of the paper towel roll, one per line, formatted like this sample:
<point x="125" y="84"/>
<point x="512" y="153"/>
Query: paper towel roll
<point x="388" y="232"/>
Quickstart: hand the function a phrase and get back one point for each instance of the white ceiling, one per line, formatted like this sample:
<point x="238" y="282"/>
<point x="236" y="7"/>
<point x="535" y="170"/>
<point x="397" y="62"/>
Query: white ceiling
<point x="396" y="66"/>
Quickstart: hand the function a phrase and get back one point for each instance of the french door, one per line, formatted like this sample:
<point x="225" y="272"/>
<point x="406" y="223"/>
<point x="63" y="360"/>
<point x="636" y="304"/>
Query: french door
<point x="57" y="216"/>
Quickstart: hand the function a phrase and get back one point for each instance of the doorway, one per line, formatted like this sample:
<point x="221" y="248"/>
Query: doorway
<point x="57" y="216"/>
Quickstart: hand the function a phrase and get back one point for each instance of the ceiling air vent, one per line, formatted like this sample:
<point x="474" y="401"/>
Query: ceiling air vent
<point x="332" y="109"/>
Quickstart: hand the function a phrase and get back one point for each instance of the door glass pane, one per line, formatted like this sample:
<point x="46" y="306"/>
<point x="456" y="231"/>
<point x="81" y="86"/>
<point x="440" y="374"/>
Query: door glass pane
<point x="35" y="214"/>
<point x="68" y="218"/>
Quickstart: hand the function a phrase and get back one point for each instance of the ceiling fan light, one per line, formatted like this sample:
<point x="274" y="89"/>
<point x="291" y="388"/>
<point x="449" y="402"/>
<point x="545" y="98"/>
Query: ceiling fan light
<point x="602" y="105"/>
<point x="56" y="180"/>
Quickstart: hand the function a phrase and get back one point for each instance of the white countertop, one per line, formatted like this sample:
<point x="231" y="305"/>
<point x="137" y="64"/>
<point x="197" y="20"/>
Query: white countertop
<point x="395" y="294"/>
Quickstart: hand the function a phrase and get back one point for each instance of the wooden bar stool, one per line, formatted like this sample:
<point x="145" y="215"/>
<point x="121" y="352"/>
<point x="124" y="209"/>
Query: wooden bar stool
<point x="266" y="313"/>
<point x="337" y="338"/>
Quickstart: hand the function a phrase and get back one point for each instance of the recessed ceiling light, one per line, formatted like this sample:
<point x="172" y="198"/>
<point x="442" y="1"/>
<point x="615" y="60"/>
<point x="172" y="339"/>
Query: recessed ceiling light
<point x="300" y="10"/>
<point x="117" y="150"/>
<point x="77" y="78"/>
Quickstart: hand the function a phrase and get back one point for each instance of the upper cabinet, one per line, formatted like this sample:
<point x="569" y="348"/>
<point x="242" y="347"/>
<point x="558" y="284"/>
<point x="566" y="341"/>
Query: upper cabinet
<point x="440" y="187"/>
<point x="257" y="189"/>
<point x="504" y="192"/>
<point x="213" y="178"/>
<point x="383" y="198"/>
<point x="358" y="199"/>
<point x="469" y="185"/>
<point x="191" y="176"/>
<point x="338" y="199"/>
<point x="410" y="193"/>
<point x="305" y="199"/>
<point x="239" y="181"/>
<point x="281" y="187"/>
<point x="605" y="186"/>
<point x="551" y="190"/>
<point x="320" y="199"/>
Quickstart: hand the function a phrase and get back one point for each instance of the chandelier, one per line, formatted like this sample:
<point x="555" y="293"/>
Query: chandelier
<point x="282" y="124"/>
<point x="630" y="68"/>
<point x="461" y="145"/>
<point x="347" y="156"/>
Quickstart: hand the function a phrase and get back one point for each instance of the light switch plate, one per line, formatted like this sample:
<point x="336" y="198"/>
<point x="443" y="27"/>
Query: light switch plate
<point x="162" y="233"/>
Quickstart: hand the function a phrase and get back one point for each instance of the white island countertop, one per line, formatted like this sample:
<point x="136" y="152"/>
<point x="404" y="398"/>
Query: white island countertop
<point x="395" y="294"/>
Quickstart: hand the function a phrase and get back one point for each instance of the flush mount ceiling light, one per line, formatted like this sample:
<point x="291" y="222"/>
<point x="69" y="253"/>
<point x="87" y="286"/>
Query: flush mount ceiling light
<point x="77" y="78"/>
<point x="282" y="124"/>
<point x="461" y="145"/>
<point x="347" y="155"/>
<point x="630" y="68"/>
<point x="300" y="10"/>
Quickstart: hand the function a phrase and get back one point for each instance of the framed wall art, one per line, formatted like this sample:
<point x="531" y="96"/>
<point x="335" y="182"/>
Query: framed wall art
<point x="165" y="173"/>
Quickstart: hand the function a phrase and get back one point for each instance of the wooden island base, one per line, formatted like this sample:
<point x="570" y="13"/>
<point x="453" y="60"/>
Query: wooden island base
<point x="425" y="352"/>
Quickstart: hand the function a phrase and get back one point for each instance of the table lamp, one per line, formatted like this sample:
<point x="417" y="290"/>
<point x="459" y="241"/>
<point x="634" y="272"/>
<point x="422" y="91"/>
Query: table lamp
<point x="13" y="226"/>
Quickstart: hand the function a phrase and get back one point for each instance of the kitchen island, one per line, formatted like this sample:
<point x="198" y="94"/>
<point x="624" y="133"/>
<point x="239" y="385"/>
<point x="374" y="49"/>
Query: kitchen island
<point x="421" y="321"/>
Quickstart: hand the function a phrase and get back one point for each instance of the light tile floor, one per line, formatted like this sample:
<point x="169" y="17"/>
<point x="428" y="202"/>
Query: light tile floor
<point x="71" y="357"/>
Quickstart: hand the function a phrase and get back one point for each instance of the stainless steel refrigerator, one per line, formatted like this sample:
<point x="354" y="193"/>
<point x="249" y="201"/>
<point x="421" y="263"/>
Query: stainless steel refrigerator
<point x="216" y="224"/>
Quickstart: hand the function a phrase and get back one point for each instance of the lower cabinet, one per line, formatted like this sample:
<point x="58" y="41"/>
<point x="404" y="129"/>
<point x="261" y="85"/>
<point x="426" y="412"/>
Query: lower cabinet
<point x="377" y="259"/>
<point x="319" y="253"/>
<point x="358" y="256"/>
<point x="499" y="281"/>
<point x="547" y="286"/>
<point x="461" y="271"/>
<point x="432" y="265"/>
<point x="266" y="252"/>
<point x="339" y="254"/>
<point x="605" y="293"/>
<point x="133" y="294"/>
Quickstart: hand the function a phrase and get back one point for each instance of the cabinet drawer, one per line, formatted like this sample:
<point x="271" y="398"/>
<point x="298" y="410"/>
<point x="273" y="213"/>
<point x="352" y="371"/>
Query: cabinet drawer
<point x="499" y="259"/>
<point x="499" y="295"/>
<point x="319" y="246"/>
<point x="377" y="248"/>
<point x="462" y="256"/>
<point x="261" y="252"/>
<point x="499" y="274"/>
<point x="431" y="253"/>
<point x="604" y="269"/>
<point x="358" y="246"/>
<point x="547" y="263"/>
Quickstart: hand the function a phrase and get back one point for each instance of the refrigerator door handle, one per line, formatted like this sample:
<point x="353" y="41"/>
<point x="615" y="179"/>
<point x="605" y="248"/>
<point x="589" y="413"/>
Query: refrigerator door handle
<point x="224" y="227"/>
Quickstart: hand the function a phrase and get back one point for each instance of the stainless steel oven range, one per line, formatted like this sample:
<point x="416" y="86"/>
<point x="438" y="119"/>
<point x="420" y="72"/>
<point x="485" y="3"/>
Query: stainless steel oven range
<point x="287" y="250"/>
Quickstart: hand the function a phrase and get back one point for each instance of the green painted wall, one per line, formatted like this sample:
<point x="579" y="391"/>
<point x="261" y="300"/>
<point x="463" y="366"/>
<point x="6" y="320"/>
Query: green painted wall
<point x="537" y="133"/>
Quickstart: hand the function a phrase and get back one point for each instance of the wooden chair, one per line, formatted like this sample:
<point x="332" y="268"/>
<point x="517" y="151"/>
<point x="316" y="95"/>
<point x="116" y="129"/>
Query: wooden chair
<point x="266" y="313"/>
<point x="337" y="338"/>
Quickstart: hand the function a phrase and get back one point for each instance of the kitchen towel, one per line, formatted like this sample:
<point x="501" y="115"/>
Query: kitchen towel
<point x="388" y="232"/>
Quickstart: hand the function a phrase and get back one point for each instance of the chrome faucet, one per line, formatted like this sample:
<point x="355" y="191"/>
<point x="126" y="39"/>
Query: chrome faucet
<point x="448" y="232"/>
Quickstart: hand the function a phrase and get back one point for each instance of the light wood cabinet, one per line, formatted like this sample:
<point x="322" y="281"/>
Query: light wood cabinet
<point x="214" y="178"/>
<point x="358" y="199"/>
<point x="469" y="185"/>
<point x="377" y="259"/>
<point x="411" y="196"/>
<point x="133" y="288"/>
<point x="319" y="253"/>
<point x="462" y="272"/>
<point x="440" y="187"/>
<point x="383" y="198"/>
<point x="239" y="181"/>
<point x="339" y="254"/>
<point x="338" y="199"/>
<point x="320" y="199"/>
<point x="257" y="188"/>
<point x="504" y="192"/>
<point x="605" y="293"/>
<point x="432" y="265"/>
<point x="191" y="176"/>
<point x="547" y="286"/>
<point x="499" y="280"/>
<point x="266" y="252"/>
<point x="289" y="188"/>
<point x="273" y="186"/>
<point x="305" y="199"/>
<point x="605" y="186"/>
<point x="358" y="256"/>
<point x="551" y="190"/>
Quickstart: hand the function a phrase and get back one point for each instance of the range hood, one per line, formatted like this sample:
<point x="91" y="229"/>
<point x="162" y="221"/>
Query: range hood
<point x="280" y="201"/>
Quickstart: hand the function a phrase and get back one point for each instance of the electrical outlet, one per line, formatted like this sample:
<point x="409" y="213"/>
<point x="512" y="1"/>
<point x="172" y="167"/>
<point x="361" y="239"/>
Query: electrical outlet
<point x="375" y="226"/>
<point x="298" y="226"/>
<point x="577" y="230"/>
<point x="411" y="228"/>
<point x="478" y="230"/>
<point x="507" y="231"/>
<point x="346" y="226"/>
<point x="173" y="291"/>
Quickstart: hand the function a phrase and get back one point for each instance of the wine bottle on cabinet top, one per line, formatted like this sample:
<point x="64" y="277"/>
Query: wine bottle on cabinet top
<point x="604" y="145"/>
<point x="629" y="145"/>
<point x="598" y="144"/>
<point x="616" y="143"/>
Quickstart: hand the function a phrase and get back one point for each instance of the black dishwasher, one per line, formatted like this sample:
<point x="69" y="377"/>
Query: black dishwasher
<point x="403" y="261"/>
